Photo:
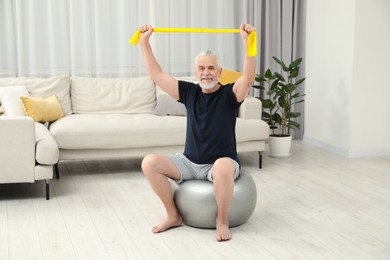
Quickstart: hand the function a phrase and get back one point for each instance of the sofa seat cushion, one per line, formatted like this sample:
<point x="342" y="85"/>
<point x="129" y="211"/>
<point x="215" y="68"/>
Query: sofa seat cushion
<point x="118" y="131"/>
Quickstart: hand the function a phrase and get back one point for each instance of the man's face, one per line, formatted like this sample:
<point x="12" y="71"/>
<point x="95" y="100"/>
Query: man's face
<point x="207" y="72"/>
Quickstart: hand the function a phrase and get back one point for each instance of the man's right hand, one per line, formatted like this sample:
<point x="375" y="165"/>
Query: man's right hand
<point x="146" y="30"/>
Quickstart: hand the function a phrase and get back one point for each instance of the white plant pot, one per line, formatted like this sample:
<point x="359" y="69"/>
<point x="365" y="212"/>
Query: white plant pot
<point x="279" y="146"/>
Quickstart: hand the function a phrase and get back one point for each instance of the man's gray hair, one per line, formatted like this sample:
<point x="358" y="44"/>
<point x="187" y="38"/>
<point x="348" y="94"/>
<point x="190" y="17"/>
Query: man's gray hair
<point x="209" y="54"/>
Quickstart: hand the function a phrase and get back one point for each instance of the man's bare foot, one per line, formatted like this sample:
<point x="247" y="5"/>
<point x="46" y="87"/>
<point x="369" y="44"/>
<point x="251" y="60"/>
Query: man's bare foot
<point x="223" y="232"/>
<point x="167" y="224"/>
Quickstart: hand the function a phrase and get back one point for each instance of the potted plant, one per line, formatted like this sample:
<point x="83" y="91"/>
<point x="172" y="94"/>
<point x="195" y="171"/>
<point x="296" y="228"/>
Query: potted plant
<point x="278" y="98"/>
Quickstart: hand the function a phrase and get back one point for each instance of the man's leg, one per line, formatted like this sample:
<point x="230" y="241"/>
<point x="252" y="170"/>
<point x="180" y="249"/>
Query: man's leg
<point x="157" y="169"/>
<point x="223" y="179"/>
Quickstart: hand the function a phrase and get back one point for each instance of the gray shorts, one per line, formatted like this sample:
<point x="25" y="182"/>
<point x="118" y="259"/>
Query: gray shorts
<point x="190" y="170"/>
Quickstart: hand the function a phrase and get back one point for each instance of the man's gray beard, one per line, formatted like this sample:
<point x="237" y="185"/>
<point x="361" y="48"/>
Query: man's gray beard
<point x="208" y="85"/>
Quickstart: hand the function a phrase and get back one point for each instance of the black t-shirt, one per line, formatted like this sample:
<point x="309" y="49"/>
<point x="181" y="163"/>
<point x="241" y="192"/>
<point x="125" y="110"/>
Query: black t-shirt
<point x="211" y="123"/>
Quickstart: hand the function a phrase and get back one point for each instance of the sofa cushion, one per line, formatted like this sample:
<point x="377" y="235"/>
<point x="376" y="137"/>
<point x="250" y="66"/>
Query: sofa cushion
<point x="167" y="105"/>
<point x="251" y="130"/>
<point x="103" y="95"/>
<point x="10" y="100"/>
<point x="45" y="87"/>
<point x="42" y="110"/>
<point x="117" y="131"/>
<point x="229" y="76"/>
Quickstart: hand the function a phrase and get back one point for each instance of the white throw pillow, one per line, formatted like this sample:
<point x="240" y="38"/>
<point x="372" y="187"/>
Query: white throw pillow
<point x="10" y="100"/>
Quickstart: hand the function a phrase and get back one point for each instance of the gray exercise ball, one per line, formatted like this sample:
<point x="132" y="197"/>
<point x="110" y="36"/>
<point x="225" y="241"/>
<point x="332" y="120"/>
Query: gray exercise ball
<point x="196" y="202"/>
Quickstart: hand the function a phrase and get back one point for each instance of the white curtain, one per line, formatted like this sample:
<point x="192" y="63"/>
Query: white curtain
<point x="90" y="37"/>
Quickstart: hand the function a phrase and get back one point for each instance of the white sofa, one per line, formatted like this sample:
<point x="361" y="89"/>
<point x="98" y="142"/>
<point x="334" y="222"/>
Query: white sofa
<point x="27" y="151"/>
<point x="113" y="118"/>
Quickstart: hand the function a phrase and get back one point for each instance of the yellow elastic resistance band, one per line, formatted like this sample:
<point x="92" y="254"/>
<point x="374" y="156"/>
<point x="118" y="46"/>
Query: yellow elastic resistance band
<point x="252" y="41"/>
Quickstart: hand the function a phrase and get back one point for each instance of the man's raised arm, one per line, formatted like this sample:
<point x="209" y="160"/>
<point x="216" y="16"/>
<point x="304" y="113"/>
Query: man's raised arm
<point x="168" y="83"/>
<point x="244" y="83"/>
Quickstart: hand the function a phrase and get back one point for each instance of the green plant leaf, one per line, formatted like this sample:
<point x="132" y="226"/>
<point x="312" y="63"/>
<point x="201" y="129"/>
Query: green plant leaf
<point x="294" y="74"/>
<point x="257" y="87"/>
<point x="294" y="114"/>
<point x="268" y="74"/>
<point x="260" y="78"/>
<point x="280" y="77"/>
<point x="294" y="125"/>
<point x="283" y="103"/>
<point x="296" y="95"/>
<point x="265" y="114"/>
<point x="267" y="103"/>
<point x="270" y="92"/>
<point x="300" y="81"/>
<point x="300" y="101"/>
<point x="277" y="118"/>
<point x="296" y="62"/>
<point x="281" y="63"/>
<point x="274" y="84"/>
<point x="290" y="88"/>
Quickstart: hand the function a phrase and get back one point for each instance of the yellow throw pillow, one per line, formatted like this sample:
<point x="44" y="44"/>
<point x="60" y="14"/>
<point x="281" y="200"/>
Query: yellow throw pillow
<point x="42" y="110"/>
<point x="229" y="76"/>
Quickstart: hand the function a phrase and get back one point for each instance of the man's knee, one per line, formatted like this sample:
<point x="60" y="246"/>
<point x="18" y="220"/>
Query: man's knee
<point x="149" y="162"/>
<point x="161" y="164"/>
<point x="223" y="166"/>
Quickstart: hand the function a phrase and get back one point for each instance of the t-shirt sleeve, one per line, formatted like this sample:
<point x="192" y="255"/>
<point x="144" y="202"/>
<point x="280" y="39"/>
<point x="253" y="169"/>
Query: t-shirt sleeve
<point x="232" y="96"/>
<point x="185" y="89"/>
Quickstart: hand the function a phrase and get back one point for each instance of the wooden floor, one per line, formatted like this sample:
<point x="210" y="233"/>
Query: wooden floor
<point x="312" y="205"/>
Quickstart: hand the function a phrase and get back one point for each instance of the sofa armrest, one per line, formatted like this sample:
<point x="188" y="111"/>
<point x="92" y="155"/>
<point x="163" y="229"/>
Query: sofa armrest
<point x="251" y="108"/>
<point x="17" y="149"/>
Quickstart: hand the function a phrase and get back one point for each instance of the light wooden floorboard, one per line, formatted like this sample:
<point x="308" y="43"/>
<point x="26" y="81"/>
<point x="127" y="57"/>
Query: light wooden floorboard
<point x="311" y="205"/>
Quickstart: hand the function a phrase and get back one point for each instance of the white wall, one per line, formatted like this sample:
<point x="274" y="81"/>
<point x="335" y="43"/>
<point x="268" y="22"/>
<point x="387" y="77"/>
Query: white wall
<point x="347" y="71"/>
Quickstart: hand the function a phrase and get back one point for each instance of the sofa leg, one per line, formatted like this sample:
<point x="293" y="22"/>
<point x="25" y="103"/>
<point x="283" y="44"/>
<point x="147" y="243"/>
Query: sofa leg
<point x="260" y="160"/>
<point x="56" y="170"/>
<point x="47" y="190"/>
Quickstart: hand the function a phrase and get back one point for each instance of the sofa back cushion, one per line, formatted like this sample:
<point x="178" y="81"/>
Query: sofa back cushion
<point x="105" y="95"/>
<point x="44" y="88"/>
<point x="167" y="105"/>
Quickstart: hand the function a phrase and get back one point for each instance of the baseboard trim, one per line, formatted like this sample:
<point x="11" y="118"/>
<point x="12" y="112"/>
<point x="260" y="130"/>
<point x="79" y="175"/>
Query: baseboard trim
<point x="345" y="152"/>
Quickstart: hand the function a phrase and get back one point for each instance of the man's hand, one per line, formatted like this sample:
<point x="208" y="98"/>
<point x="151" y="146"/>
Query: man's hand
<point x="245" y="30"/>
<point x="244" y="83"/>
<point x="146" y="31"/>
